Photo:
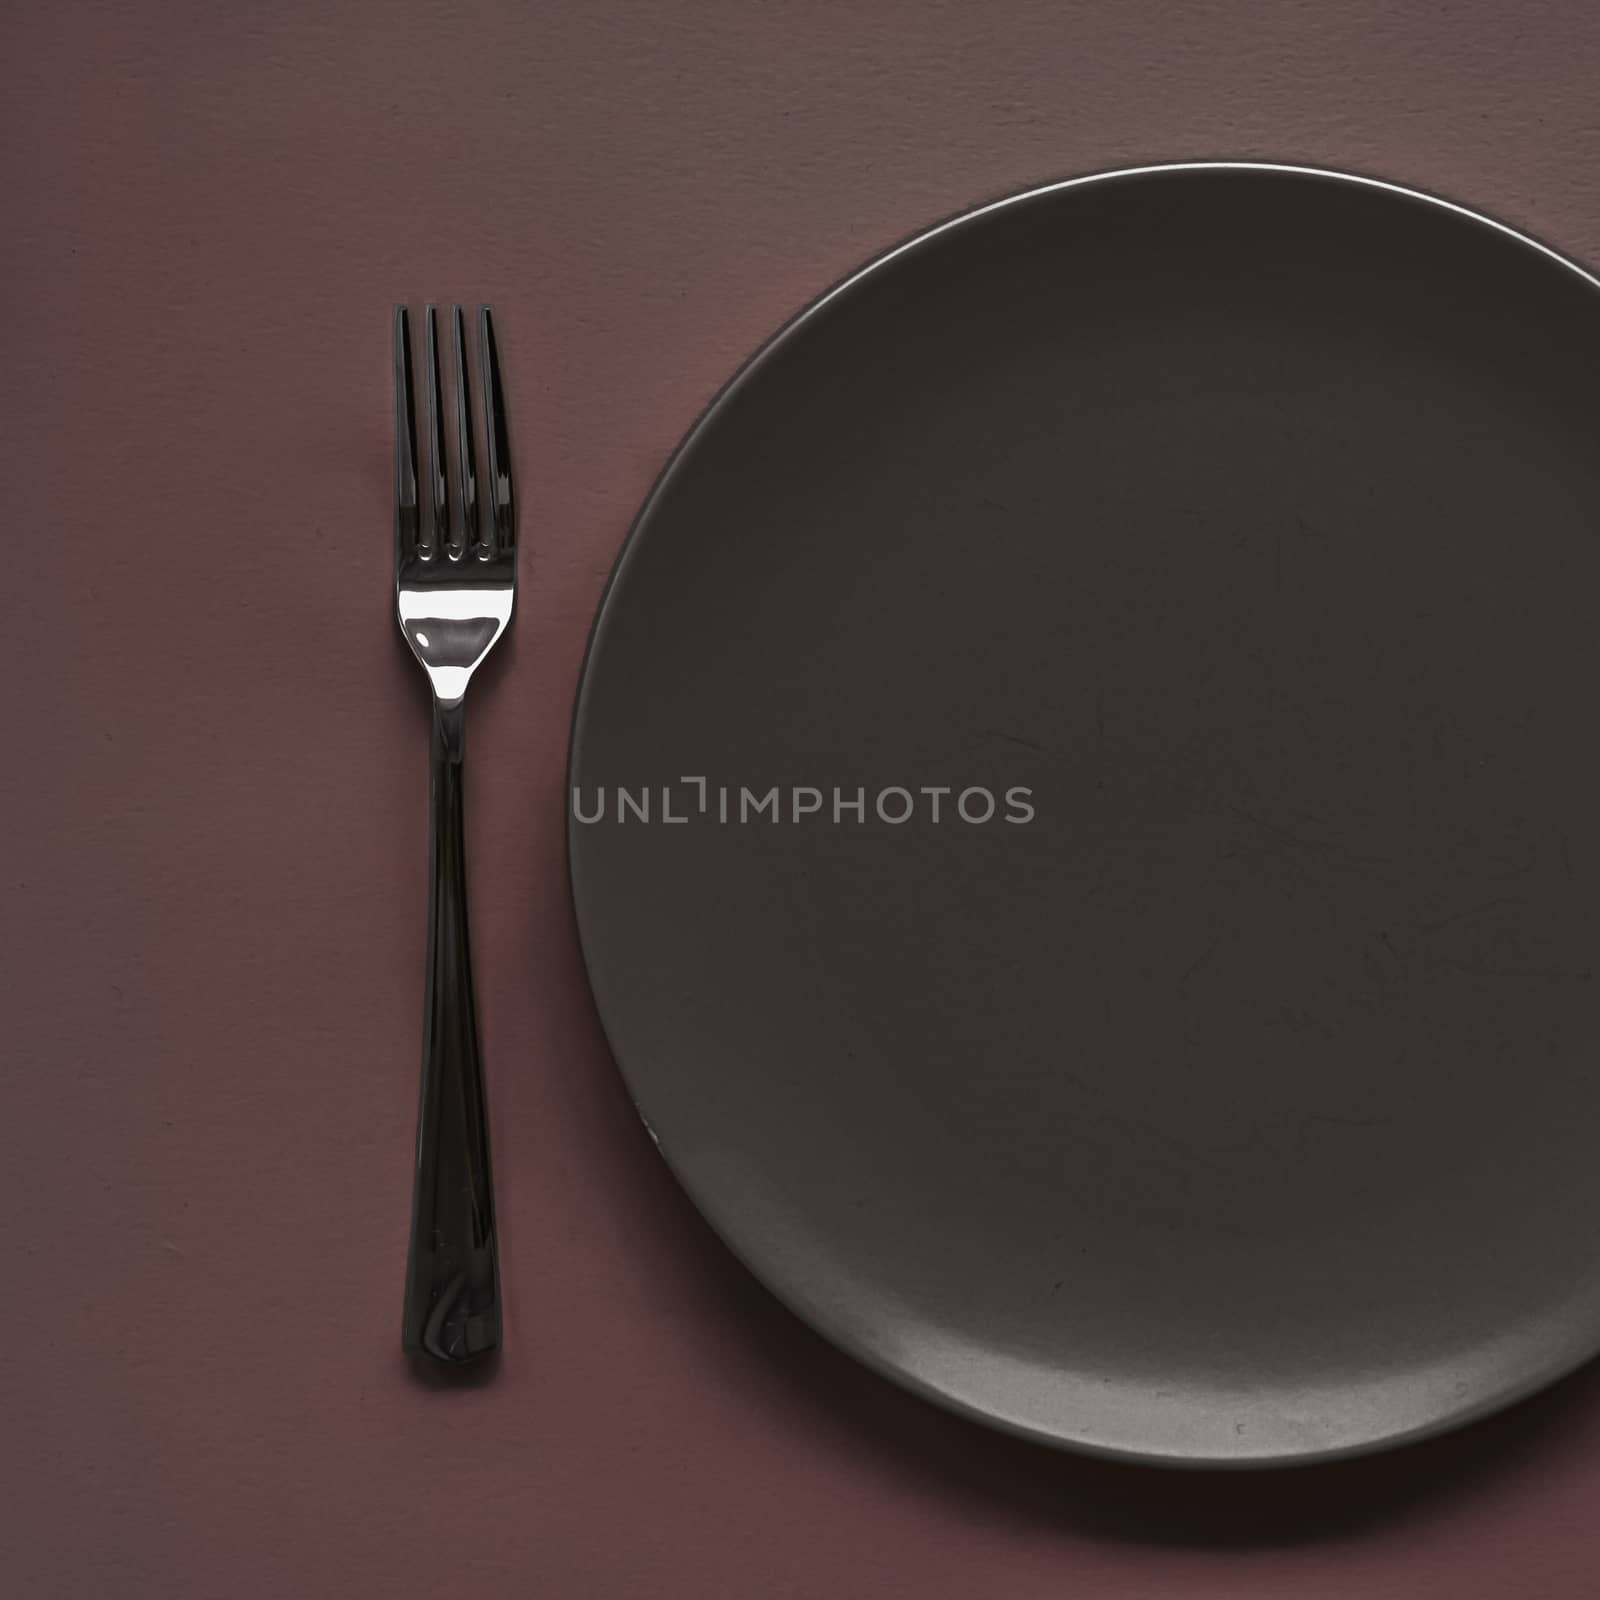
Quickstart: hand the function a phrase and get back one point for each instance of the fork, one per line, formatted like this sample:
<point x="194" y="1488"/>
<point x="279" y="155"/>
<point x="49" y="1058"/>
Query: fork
<point x="455" y="585"/>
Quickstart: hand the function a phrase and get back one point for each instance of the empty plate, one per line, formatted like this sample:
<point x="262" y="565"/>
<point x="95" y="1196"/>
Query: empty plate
<point x="1103" y="903"/>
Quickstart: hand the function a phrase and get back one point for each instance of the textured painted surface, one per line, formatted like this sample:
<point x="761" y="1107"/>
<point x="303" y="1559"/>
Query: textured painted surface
<point x="215" y="791"/>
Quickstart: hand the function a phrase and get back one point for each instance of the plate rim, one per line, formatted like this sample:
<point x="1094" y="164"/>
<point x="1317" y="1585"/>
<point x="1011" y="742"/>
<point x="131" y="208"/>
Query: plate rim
<point x="839" y="1336"/>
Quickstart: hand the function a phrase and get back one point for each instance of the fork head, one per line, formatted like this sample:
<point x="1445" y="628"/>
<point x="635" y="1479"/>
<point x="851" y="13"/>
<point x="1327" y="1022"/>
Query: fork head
<point x="455" y="577"/>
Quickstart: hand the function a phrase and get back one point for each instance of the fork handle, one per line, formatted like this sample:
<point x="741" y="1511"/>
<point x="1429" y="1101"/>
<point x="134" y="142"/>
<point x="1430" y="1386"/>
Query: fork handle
<point x="452" y="1302"/>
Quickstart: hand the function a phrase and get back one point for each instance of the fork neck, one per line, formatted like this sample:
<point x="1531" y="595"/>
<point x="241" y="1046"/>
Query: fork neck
<point x="449" y="730"/>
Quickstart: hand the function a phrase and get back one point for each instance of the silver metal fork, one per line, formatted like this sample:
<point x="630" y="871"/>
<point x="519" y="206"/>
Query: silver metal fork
<point x="454" y="587"/>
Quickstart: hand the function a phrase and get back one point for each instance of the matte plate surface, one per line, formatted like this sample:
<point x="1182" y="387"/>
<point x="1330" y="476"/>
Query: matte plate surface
<point x="1243" y="1106"/>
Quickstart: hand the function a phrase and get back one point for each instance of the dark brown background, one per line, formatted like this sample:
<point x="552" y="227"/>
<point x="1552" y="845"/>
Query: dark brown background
<point x="214" y="790"/>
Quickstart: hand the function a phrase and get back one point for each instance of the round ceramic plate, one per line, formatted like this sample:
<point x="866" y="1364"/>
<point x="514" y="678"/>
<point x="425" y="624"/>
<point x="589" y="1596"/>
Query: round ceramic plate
<point x="1104" y="909"/>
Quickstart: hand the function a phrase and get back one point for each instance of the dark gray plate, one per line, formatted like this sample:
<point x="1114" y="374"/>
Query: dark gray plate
<point x="1243" y="1106"/>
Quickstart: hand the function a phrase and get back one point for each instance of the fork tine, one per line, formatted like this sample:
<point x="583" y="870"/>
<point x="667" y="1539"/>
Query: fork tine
<point x="405" y="441"/>
<point x="439" y="501"/>
<point x="466" y="451"/>
<point x="501" y="502"/>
